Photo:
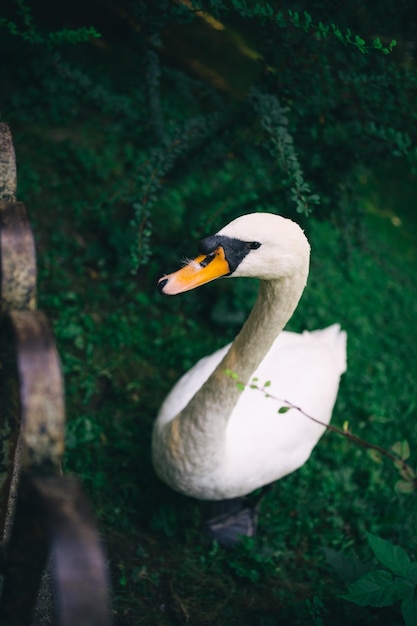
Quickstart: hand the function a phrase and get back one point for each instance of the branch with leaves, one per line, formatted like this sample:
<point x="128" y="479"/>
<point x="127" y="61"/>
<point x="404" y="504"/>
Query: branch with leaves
<point x="24" y="27"/>
<point x="398" y="454"/>
<point x="298" y="19"/>
<point x="274" y="120"/>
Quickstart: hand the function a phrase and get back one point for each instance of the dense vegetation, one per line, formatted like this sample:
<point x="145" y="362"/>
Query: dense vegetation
<point x="141" y="127"/>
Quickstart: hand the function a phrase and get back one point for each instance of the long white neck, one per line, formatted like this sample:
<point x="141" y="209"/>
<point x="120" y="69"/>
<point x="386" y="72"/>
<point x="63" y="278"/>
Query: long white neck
<point x="274" y="306"/>
<point x="195" y="438"/>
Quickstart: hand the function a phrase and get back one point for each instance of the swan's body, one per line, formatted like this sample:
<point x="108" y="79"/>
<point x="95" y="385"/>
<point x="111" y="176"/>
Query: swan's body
<point x="212" y="441"/>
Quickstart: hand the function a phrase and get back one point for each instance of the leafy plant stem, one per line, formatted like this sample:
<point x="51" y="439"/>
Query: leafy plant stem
<point x="404" y="468"/>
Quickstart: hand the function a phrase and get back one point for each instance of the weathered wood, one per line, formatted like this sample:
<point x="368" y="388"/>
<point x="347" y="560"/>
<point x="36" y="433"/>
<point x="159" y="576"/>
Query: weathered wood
<point x="53" y="515"/>
<point x="41" y="393"/>
<point x="31" y="400"/>
<point x="17" y="248"/>
<point x="79" y="567"/>
<point x="9" y="426"/>
<point x="25" y="557"/>
<point x="42" y="513"/>
<point x="18" y="258"/>
<point x="8" y="179"/>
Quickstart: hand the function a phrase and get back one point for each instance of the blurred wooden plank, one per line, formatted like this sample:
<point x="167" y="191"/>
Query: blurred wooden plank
<point x="53" y="515"/>
<point x="18" y="258"/>
<point x="79" y="568"/>
<point x="41" y="393"/>
<point x="8" y="178"/>
<point x="31" y="402"/>
<point x="42" y="513"/>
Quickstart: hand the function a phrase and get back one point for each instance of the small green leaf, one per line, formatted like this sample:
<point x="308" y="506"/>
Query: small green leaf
<point x="307" y="20"/>
<point x="240" y="386"/>
<point x="373" y="589"/>
<point x="267" y="384"/>
<point x="407" y="472"/>
<point x="374" y="455"/>
<point x="405" y="486"/>
<point x="337" y="32"/>
<point x="284" y="409"/>
<point x="391" y="556"/>
<point x="231" y="373"/>
<point x="401" y="449"/>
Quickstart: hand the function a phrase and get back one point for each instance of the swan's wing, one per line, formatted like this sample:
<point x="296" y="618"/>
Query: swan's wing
<point x="304" y="370"/>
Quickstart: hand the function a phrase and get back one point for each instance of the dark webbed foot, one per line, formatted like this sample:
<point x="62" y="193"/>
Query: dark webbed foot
<point x="228" y="521"/>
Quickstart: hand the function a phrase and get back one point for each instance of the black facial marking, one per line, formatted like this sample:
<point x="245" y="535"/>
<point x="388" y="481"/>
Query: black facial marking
<point x="235" y="250"/>
<point x="209" y="244"/>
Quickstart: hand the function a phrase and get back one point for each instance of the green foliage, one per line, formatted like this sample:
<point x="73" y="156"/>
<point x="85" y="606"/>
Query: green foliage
<point x="24" y="26"/>
<point x="133" y="146"/>
<point x="161" y="161"/>
<point x="395" y="582"/>
<point x="281" y="146"/>
<point x="292" y="122"/>
<point x="302" y="20"/>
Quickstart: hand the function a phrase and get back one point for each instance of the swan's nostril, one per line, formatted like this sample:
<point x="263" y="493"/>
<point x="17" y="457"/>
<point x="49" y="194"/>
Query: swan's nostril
<point x="161" y="284"/>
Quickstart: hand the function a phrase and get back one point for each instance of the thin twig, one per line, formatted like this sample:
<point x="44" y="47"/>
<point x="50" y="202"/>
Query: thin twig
<point x="407" y="472"/>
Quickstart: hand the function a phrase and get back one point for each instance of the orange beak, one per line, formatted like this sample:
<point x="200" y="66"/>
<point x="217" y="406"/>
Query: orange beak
<point x="200" y="271"/>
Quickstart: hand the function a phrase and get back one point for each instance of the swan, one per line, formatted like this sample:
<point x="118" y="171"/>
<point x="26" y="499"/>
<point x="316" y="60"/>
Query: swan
<point x="213" y="441"/>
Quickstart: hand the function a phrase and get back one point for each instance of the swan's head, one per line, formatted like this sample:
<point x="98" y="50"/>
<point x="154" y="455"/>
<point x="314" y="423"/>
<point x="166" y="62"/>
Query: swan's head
<point x="262" y="245"/>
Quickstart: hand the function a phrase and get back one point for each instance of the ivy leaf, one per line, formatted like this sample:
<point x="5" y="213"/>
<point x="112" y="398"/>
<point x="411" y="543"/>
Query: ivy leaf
<point x="391" y="556"/>
<point x="373" y="589"/>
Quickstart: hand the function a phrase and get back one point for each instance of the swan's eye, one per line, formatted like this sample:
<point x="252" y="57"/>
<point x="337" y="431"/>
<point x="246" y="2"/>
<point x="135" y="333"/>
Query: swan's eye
<point x="254" y="245"/>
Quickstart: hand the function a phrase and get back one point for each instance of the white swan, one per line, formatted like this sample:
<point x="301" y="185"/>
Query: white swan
<point x="212" y="441"/>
